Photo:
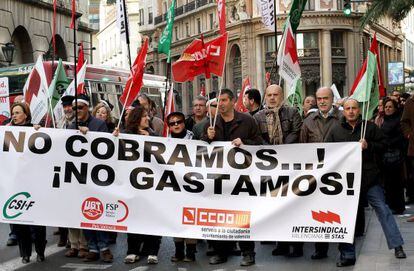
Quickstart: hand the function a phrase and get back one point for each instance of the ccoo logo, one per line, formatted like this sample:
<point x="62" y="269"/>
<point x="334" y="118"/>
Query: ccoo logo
<point x="92" y="208"/>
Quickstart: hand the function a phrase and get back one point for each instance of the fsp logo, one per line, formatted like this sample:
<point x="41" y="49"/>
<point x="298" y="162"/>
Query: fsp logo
<point x="216" y="217"/>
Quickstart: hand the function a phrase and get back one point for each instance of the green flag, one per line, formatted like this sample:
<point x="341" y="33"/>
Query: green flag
<point x="58" y="85"/>
<point x="294" y="96"/>
<point x="295" y="13"/>
<point x="164" y="44"/>
<point x="367" y="88"/>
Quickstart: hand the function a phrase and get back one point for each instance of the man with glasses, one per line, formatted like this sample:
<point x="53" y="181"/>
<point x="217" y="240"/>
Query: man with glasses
<point x="98" y="241"/>
<point x="199" y="112"/>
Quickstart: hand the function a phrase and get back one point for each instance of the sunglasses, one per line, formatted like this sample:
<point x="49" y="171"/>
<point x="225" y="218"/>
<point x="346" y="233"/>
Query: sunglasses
<point x="76" y="107"/>
<point x="213" y="105"/>
<point x="175" y="123"/>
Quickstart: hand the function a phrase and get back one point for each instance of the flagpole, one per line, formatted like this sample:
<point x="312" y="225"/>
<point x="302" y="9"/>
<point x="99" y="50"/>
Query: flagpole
<point x="221" y="84"/>
<point x="75" y="75"/>
<point x="127" y="35"/>
<point x="167" y="81"/>
<point x="123" y="107"/>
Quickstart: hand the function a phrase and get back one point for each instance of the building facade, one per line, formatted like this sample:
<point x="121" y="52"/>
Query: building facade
<point x="331" y="45"/>
<point x="112" y="51"/>
<point x="28" y="25"/>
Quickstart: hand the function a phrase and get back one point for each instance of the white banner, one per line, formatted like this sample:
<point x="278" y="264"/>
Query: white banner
<point x="183" y="188"/>
<point x="267" y="11"/>
<point x="121" y="21"/>
<point x="4" y="99"/>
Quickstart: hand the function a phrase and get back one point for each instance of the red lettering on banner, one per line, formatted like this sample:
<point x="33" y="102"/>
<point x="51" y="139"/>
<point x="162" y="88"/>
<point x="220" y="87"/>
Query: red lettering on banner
<point x="216" y="218"/>
<point x="103" y="226"/>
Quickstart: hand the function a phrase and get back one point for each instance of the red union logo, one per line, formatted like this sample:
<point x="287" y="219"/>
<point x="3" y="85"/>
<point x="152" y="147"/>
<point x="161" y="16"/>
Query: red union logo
<point x="92" y="208"/>
<point x="189" y="215"/>
<point x="326" y="217"/>
<point x="216" y="217"/>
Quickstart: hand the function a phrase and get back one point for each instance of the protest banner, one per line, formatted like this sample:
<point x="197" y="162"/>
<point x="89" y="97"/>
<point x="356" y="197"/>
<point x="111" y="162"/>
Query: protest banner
<point x="4" y="99"/>
<point x="175" y="187"/>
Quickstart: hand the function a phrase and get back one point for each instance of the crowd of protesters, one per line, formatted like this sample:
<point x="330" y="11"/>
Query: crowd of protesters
<point x="387" y="162"/>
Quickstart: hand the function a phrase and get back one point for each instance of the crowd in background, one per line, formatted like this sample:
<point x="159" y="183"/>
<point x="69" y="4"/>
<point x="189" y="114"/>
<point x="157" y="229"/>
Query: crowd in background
<point x="388" y="161"/>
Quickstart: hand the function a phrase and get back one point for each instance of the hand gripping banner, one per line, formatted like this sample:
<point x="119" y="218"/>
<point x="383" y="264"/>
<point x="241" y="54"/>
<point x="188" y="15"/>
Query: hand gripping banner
<point x="182" y="188"/>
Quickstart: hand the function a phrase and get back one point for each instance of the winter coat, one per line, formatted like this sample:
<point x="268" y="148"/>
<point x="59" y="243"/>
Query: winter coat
<point x="343" y="132"/>
<point x="407" y="124"/>
<point x="316" y="128"/>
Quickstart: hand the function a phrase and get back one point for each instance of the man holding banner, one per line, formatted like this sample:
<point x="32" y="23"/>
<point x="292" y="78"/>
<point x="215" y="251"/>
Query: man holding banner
<point x="349" y="129"/>
<point x="280" y="124"/>
<point x="315" y="129"/>
<point x="240" y="129"/>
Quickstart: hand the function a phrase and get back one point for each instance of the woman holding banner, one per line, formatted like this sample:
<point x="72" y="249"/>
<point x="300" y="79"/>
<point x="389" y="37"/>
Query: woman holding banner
<point x="137" y="122"/>
<point x="21" y="117"/>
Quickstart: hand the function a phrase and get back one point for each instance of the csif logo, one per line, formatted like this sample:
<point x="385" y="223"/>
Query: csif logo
<point x="92" y="208"/>
<point x="17" y="204"/>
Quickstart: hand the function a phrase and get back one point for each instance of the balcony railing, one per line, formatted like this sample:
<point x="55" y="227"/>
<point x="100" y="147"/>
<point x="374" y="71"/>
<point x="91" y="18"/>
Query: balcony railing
<point x="308" y="52"/>
<point x="338" y="52"/>
<point x="179" y="11"/>
<point x="184" y="9"/>
<point x="190" y="6"/>
<point x="158" y="19"/>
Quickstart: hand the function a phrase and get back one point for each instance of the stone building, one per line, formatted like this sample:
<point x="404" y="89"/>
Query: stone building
<point x="28" y="25"/>
<point x="112" y="50"/>
<point x="331" y="45"/>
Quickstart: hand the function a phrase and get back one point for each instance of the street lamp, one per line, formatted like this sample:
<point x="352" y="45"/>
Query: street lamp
<point x="8" y="52"/>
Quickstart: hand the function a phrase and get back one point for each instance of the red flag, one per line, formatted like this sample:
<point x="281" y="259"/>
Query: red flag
<point x="267" y="77"/>
<point x="54" y="26"/>
<point x="169" y="108"/>
<point x="81" y="58"/>
<point x="221" y="15"/>
<point x="239" y="106"/>
<point x="203" y="90"/>
<point x="374" y="49"/>
<point x="134" y="83"/>
<point x="72" y="23"/>
<point x="201" y="58"/>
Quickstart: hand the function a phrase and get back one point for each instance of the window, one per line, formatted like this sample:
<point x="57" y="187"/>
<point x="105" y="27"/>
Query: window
<point x="176" y="32"/>
<point x="211" y="17"/>
<point x="270" y="43"/>
<point x="187" y="29"/>
<point x="337" y="39"/>
<point x="198" y="25"/>
<point x="150" y="16"/>
<point x="307" y="40"/>
<point x="310" y="5"/>
<point x="141" y="17"/>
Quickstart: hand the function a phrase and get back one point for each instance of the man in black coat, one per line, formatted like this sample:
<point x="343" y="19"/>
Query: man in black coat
<point x="98" y="241"/>
<point x="372" y="144"/>
<point x="240" y="129"/>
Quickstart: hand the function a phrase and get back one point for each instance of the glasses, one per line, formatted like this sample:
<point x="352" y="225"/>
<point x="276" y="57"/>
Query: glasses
<point x="175" y="123"/>
<point x="76" y="107"/>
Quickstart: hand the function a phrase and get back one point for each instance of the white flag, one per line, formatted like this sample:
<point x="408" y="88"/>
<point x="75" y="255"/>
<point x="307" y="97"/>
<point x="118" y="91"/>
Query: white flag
<point x="335" y="91"/>
<point x="267" y="10"/>
<point x="287" y="57"/>
<point x="121" y="21"/>
<point x="36" y="95"/>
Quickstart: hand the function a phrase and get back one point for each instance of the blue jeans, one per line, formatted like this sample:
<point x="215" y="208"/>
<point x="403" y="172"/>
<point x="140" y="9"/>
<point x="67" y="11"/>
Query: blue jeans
<point x="97" y="240"/>
<point x="376" y="199"/>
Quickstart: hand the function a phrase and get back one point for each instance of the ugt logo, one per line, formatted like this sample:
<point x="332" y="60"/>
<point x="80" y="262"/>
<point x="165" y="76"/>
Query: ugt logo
<point x="17" y="204"/>
<point x="92" y="208"/>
